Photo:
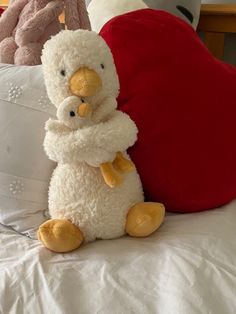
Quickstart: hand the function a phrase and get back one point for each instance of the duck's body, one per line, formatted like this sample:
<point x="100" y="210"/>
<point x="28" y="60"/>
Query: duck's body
<point x="88" y="202"/>
<point x="84" y="198"/>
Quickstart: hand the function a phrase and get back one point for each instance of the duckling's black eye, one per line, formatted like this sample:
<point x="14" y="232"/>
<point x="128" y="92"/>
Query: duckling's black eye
<point x="102" y="66"/>
<point x="63" y="72"/>
<point x="82" y="99"/>
<point x="72" y="114"/>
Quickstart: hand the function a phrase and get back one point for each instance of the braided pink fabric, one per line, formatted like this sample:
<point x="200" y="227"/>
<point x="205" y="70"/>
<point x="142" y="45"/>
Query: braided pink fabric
<point x="83" y="14"/>
<point x="27" y="24"/>
<point x="76" y="15"/>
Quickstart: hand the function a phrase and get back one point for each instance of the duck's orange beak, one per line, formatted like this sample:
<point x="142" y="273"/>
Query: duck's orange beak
<point x="85" y="82"/>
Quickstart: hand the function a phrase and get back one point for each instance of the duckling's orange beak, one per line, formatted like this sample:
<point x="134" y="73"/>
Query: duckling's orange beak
<point x="85" y="82"/>
<point x="84" y="110"/>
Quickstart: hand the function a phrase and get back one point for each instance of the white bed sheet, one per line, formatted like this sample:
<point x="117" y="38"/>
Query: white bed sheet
<point x="187" y="267"/>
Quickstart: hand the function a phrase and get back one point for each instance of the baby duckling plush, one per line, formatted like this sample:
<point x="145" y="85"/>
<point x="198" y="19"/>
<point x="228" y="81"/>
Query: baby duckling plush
<point x="79" y="72"/>
<point x="75" y="114"/>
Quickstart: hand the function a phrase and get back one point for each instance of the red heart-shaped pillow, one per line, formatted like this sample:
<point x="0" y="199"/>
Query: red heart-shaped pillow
<point x="183" y="101"/>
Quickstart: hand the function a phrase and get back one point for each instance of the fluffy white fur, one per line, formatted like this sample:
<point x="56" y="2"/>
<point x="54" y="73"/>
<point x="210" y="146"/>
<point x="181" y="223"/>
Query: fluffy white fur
<point x="68" y="51"/>
<point x="77" y="190"/>
<point x="71" y="104"/>
<point x="95" y="144"/>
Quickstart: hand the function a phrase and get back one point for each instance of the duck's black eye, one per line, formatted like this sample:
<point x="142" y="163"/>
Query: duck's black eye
<point x="72" y="113"/>
<point x="102" y="66"/>
<point x="82" y="99"/>
<point x="63" y="72"/>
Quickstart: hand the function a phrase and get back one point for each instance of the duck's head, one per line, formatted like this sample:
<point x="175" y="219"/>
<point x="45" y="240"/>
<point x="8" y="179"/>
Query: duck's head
<point x="79" y="63"/>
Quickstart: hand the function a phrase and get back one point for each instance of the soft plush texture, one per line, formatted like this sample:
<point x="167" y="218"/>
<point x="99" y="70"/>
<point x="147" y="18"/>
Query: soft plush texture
<point x="75" y="114"/>
<point x="183" y="102"/>
<point x="101" y="11"/>
<point x="81" y="199"/>
<point x="24" y="28"/>
<point x="24" y="169"/>
<point x="60" y="227"/>
<point x="80" y="64"/>
<point x="27" y="24"/>
<point x="59" y="67"/>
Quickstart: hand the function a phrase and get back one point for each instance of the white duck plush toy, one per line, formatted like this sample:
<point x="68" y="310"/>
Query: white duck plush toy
<point x="89" y="142"/>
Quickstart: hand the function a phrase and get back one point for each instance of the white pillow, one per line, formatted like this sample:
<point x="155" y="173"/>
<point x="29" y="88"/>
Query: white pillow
<point x="101" y="11"/>
<point x="24" y="168"/>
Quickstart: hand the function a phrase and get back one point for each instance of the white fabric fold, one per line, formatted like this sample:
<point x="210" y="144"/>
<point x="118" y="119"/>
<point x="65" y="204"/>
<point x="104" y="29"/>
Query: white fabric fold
<point x="186" y="267"/>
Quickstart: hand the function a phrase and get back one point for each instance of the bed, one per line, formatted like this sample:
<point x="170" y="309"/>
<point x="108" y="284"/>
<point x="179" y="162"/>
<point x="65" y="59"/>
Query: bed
<point x="188" y="266"/>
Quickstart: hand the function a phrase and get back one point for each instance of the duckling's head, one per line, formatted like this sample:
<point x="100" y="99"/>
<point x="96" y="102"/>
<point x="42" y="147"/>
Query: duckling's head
<point x="74" y="113"/>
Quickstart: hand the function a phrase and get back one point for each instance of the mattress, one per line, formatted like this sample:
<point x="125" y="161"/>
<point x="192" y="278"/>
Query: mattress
<point x="188" y="266"/>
